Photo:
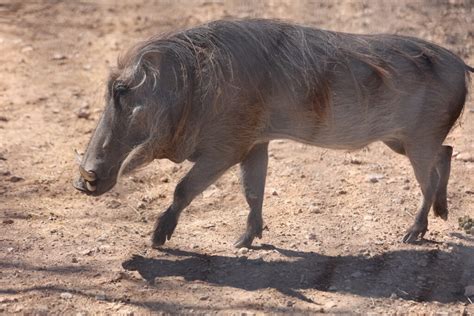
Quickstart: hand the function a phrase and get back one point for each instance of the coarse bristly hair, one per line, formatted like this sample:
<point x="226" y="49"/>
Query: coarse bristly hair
<point x="264" y="56"/>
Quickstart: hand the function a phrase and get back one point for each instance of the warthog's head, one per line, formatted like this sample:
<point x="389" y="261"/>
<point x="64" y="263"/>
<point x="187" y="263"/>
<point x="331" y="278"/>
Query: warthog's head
<point x="136" y="125"/>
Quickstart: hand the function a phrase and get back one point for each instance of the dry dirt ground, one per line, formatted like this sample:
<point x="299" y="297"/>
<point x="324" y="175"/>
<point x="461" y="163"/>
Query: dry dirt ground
<point x="333" y="237"/>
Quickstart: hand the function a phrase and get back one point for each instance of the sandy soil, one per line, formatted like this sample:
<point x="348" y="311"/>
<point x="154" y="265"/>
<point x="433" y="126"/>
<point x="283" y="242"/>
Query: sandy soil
<point x="333" y="237"/>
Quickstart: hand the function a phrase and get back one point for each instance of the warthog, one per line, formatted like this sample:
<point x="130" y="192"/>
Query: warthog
<point x="217" y="94"/>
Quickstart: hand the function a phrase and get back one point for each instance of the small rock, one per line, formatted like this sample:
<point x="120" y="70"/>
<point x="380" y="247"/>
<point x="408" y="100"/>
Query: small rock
<point x="204" y="298"/>
<point x="164" y="179"/>
<point x="87" y="252"/>
<point x="398" y="201"/>
<point x="3" y="118"/>
<point x="10" y="249"/>
<point x="356" y="274"/>
<point x="58" y="56"/>
<point x="5" y="173"/>
<point x="393" y="296"/>
<point x="7" y="221"/>
<point x="83" y="112"/>
<point x="274" y="193"/>
<point x="290" y="303"/>
<point x="26" y="49"/>
<point x="311" y="236"/>
<point x="406" y="187"/>
<point x="469" y="290"/>
<point x="113" y="204"/>
<point x="243" y="251"/>
<point x="100" y="297"/>
<point x="356" y="161"/>
<point x="141" y="205"/>
<point x="342" y="192"/>
<point x="74" y="260"/>
<point x="16" y="179"/>
<point x="315" y="210"/>
<point x="374" y="178"/>
<point x="66" y="295"/>
<point x="466" y="157"/>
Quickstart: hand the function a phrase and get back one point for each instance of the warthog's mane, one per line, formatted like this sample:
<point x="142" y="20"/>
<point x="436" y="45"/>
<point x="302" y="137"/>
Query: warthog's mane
<point x="266" y="59"/>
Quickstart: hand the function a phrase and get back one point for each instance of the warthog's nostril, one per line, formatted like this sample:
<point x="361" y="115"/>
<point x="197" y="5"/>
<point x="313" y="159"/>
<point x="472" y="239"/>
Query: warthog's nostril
<point x="87" y="175"/>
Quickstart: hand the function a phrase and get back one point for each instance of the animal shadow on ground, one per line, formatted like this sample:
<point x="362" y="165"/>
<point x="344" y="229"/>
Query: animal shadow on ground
<point x="420" y="275"/>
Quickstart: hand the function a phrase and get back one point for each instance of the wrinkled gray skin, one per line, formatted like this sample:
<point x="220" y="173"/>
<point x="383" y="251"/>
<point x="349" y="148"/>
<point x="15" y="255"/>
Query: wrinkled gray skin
<point x="217" y="94"/>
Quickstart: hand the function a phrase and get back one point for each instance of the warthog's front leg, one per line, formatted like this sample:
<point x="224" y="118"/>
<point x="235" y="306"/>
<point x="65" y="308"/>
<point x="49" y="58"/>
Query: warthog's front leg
<point x="202" y="174"/>
<point x="254" y="171"/>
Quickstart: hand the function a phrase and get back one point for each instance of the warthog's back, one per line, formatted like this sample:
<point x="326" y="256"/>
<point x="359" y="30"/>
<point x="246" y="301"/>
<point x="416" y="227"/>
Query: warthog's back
<point x="327" y="88"/>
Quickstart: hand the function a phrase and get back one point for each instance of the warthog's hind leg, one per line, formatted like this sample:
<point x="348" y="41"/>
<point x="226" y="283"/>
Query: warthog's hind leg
<point x="254" y="171"/>
<point x="423" y="160"/>
<point x="443" y="168"/>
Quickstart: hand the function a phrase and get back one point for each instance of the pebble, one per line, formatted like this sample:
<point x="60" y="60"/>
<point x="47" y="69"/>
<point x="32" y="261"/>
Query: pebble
<point x="393" y="296"/>
<point x="243" y="251"/>
<point x="204" y="298"/>
<point x="315" y="210"/>
<point x="87" y="252"/>
<point x="466" y="157"/>
<point x="165" y="179"/>
<point x="15" y="179"/>
<point x="58" y="56"/>
<point x="26" y="49"/>
<point x="100" y="297"/>
<point x="7" y="221"/>
<point x="274" y="193"/>
<point x="311" y="236"/>
<point x="66" y="295"/>
<point x="374" y="178"/>
<point x="113" y="204"/>
<point x="356" y="274"/>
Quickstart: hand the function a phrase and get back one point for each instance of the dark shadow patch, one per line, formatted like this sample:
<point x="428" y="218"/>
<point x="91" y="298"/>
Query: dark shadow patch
<point x="420" y="275"/>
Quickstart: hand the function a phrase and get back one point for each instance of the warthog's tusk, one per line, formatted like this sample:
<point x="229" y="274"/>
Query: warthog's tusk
<point x="90" y="186"/>
<point x="88" y="175"/>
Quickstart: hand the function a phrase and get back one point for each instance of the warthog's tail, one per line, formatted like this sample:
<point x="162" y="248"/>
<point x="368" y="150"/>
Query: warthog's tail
<point x="469" y="68"/>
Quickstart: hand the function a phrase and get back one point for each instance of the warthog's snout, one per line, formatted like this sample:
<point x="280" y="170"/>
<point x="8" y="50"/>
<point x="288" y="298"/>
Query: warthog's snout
<point x="87" y="181"/>
<point x="90" y="178"/>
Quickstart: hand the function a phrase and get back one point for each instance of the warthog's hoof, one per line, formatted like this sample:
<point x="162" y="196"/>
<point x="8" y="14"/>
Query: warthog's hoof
<point x="440" y="209"/>
<point x="415" y="231"/>
<point x="164" y="228"/>
<point x="247" y="238"/>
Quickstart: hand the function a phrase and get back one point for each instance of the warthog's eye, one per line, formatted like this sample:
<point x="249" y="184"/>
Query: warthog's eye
<point x="119" y="89"/>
